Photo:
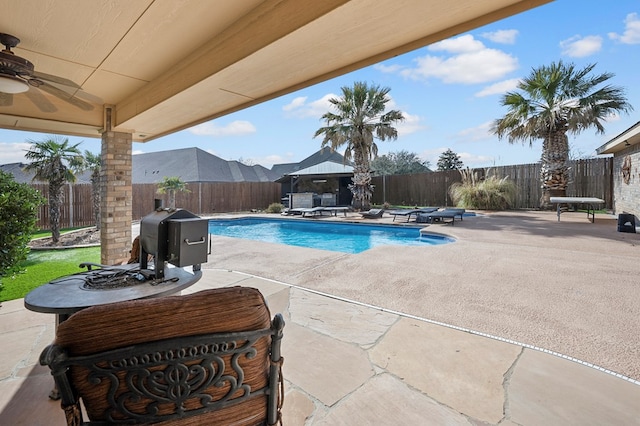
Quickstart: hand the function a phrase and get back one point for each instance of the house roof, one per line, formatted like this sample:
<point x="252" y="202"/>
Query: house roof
<point x="189" y="164"/>
<point x="21" y="176"/>
<point x="328" y="168"/>
<point x="153" y="67"/>
<point x="629" y="137"/>
<point x="195" y="165"/>
<point x="318" y="157"/>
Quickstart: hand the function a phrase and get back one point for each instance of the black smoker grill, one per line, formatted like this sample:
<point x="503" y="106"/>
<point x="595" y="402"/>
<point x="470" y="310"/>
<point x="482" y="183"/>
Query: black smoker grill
<point x="175" y="236"/>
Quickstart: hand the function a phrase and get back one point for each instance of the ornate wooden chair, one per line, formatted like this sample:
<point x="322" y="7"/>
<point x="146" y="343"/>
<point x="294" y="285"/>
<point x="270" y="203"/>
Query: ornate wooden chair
<point x="211" y="357"/>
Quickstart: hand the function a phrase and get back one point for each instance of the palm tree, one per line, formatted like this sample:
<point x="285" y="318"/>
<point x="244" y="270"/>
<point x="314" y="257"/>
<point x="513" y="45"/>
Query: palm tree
<point x="54" y="161"/>
<point x="359" y="119"/>
<point x="93" y="162"/>
<point x="555" y="100"/>
<point x="171" y="185"/>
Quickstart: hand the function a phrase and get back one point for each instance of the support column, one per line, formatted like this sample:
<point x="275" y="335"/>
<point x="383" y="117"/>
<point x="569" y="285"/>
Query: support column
<point x="115" y="197"/>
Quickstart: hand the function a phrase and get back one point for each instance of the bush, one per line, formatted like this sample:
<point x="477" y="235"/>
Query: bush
<point x="491" y="193"/>
<point x="275" y="208"/>
<point x="19" y="204"/>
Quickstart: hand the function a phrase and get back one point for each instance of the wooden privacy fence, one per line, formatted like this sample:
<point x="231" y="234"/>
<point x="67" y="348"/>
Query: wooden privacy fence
<point x="588" y="178"/>
<point x="203" y="198"/>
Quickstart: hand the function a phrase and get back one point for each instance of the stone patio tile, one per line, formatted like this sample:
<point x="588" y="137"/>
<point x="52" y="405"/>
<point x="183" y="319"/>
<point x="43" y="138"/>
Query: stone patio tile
<point x="279" y="303"/>
<point x="23" y="317"/>
<point x="266" y="287"/>
<point x="385" y="400"/>
<point x="214" y="278"/>
<point x="545" y="389"/>
<point x="16" y="349"/>
<point x="25" y="401"/>
<point x="459" y="369"/>
<point x="325" y="368"/>
<point x="297" y="408"/>
<point x="11" y="306"/>
<point x="341" y="320"/>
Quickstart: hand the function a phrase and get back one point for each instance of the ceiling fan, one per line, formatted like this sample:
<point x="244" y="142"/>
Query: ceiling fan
<point x="17" y="75"/>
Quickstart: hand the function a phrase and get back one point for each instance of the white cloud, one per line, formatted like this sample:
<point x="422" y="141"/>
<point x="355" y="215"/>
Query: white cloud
<point x="463" y="44"/>
<point x="502" y="36"/>
<point x="613" y="117"/>
<point x="387" y="69"/>
<point x="269" y="160"/>
<point x="478" y="133"/>
<point x="296" y="103"/>
<point x="471" y="62"/>
<point x="631" y="33"/>
<point x="411" y="124"/>
<point x="579" y="47"/>
<point x="473" y="160"/>
<point x="13" y="152"/>
<point x="235" y="128"/>
<point x="468" y="159"/>
<point x="300" y="108"/>
<point x="499" y="88"/>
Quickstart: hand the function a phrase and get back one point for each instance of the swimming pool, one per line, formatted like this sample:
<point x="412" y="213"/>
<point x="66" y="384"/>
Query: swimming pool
<point x="334" y="236"/>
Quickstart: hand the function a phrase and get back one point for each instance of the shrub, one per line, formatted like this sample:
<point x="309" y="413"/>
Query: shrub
<point x="19" y="204"/>
<point x="275" y="208"/>
<point x="490" y="193"/>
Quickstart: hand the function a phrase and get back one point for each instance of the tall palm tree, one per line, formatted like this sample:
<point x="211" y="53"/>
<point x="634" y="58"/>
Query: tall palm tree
<point x="360" y="119"/>
<point x="54" y="161"/>
<point x="93" y="162"/>
<point x="171" y="185"/>
<point x="555" y="100"/>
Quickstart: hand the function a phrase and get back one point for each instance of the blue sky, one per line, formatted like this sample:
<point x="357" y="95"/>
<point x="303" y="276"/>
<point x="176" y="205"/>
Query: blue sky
<point x="449" y="93"/>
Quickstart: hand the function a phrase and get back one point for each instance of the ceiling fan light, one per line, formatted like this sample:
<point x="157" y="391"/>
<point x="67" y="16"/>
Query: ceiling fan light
<point x="11" y="84"/>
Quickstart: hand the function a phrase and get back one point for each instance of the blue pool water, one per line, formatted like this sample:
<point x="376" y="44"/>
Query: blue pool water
<point x="334" y="236"/>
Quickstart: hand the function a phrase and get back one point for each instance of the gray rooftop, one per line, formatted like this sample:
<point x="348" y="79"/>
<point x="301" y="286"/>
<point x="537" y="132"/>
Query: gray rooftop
<point x="195" y="165"/>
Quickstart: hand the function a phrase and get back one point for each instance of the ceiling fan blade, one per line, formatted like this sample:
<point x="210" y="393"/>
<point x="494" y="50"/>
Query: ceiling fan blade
<point x="40" y="101"/>
<point x="66" y="97"/>
<point x="6" y="99"/>
<point x="55" y="79"/>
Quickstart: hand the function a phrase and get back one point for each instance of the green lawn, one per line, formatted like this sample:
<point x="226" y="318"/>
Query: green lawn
<point x="44" y="265"/>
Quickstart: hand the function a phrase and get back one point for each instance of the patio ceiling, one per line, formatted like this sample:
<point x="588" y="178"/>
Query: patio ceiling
<point x="166" y="65"/>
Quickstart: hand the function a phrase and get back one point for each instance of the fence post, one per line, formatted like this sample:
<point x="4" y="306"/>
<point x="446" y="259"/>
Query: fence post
<point x="70" y="203"/>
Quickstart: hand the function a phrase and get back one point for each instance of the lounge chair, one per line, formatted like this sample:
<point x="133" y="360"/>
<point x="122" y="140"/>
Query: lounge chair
<point x="312" y="211"/>
<point x="410" y="212"/>
<point x="441" y="215"/>
<point x="372" y="214"/>
<point x="333" y="210"/>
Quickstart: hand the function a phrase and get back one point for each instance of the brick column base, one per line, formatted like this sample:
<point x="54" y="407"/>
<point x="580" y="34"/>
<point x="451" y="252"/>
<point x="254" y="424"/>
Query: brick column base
<point x="116" y="197"/>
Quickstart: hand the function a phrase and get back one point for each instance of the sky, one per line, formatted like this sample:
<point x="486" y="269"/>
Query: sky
<point x="449" y="93"/>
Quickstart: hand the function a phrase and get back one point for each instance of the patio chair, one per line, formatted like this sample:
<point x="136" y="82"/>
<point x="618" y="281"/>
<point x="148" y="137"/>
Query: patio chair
<point x="372" y="214"/>
<point x="212" y="357"/>
<point x="441" y="215"/>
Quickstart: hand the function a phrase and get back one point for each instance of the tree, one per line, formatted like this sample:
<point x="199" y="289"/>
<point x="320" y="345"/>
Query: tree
<point x="54" y="161"/>
<point x="398" y="163"/>
<point x="93" y="162"/>
<point x="359" y="119"/>
<point x="552" y="101"/>
<point x="171" y="185"/>
<point x="19" y="204"/>
<point x="449" y="160"/>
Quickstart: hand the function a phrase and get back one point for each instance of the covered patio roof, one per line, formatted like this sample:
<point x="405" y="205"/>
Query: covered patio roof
<point x="161" y="66"/>
<point x="629" y="137"/>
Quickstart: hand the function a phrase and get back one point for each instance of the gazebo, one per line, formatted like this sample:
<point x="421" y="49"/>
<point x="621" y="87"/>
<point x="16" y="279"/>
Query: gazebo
<point x="127" y="71"/>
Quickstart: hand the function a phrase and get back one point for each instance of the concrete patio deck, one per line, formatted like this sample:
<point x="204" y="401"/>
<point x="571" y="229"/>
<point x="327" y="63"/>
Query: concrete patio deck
<point x="403" y="336"/>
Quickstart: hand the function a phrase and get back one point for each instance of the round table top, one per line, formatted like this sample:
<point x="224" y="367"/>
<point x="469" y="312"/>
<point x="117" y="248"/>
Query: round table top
<point x="70" y="294"/>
